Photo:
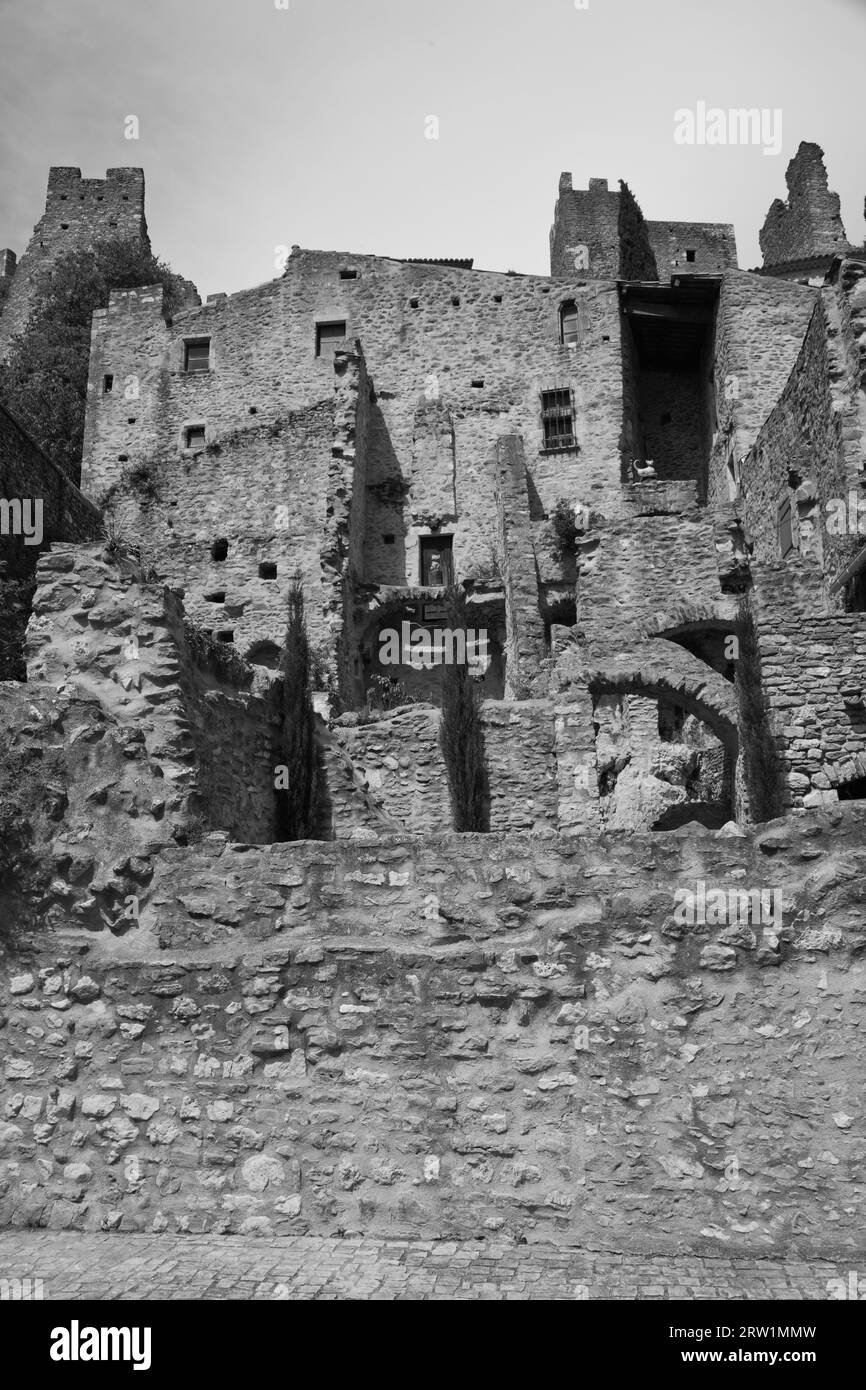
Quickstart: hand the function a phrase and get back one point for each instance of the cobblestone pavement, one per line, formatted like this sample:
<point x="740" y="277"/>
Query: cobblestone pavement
<point x="303" y="1267"/>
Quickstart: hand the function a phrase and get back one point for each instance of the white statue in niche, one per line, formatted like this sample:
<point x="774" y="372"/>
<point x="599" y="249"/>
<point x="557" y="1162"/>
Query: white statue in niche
<point x="434" y="569"/>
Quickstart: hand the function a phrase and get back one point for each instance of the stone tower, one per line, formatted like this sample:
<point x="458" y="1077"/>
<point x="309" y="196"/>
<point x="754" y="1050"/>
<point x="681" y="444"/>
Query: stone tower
<point x="78" y="212"/>
<point x="809" y="225"/>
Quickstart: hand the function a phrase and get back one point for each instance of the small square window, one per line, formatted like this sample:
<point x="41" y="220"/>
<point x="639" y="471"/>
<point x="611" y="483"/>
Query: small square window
<point x="348" y="274"/>
<point x="388" y="538"/>
<point x="413" y="303"/>
<point x="666" y="418"/>
<point x="194" y="438"/>
<point x="268" y="569"/>
<point x="329" y="336"/>
<point x="107" y="385"/>
<point x="478" y="381"/>
<point x="197" y="356"/>
<point x="455" y="300"/>
<point x="225" y="634"/>
<point x="690" y="255"/>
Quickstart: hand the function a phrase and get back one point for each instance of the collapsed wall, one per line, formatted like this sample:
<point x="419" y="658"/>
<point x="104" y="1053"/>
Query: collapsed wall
<point x="453" y="1036"/>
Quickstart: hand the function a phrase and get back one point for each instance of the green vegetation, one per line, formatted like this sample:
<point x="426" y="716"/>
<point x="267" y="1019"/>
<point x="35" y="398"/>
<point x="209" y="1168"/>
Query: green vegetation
<point x="44" y="382"/>
<point x="563" y="525"/>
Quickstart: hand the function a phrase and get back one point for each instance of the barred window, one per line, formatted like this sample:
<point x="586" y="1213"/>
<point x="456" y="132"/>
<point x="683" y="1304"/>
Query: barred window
<point x="557" y="418"/>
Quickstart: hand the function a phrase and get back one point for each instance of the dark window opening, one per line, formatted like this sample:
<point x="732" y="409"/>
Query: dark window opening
<point x="785" y="529"/>
<point x="123" y="458"/>
<point x="107" y="385"/>
<point x="389" y="538"/>
<point x="64" y="226"/>
<point x="497" y="299"/>
<point x="329" y="335"/>
<point x="197" y="356"/>
<point x="348" y="274"/>
<point x="568" y="323"/>
<point x="226" y="634"/>
<point x="690" y="255"/>
<point x="219" y="596"/>
<point x="220" y="549"/>
<point x="666" y="418"/>
<point x="268" y="569"/>
<point x="265" y="654"/>
<point x="855" y="790"/>
<point x="557" y="416"/>
<point x="254" y="410"/>
<point x="194" y="438"/>
<point x="436" y="560"/>
<point x="413" y="303"/>
<point x="455" y="300"/>
<point x="855" y="594"/>
<point x="671" y="718"/>
<point x="130" y="419"/>
<point x="478" y="381"/>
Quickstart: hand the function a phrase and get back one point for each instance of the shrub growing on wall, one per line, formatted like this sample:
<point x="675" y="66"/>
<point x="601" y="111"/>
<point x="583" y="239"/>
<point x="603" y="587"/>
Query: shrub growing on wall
<point x="460" y="734"/>
<point x="45" y="379"/>
<point x="636" y="257"/>
<point x="298" y="803"/>
<point x="762" y="767"/>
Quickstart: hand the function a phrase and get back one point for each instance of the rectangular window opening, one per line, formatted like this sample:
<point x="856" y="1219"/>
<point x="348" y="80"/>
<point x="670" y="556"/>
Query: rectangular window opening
<point x="436" y="555"/>
<point x="193" y="437"/>
<point x="329" y="336"/>
<point x="197" y="356"/>
<point x="557" y="417"/>
<point x="107" y="385"/>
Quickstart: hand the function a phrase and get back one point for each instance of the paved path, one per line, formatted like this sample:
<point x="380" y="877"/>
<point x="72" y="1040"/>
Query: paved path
<point x="305" y="1267"/>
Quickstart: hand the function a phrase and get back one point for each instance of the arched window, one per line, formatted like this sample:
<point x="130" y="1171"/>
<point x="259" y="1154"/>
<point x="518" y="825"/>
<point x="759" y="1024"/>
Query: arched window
<point x="568" y="323"/>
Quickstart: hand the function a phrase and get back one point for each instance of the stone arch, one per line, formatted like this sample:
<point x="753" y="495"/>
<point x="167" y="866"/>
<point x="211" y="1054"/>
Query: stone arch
<point x="700" y="629"/>
<point x="702" y="693"/>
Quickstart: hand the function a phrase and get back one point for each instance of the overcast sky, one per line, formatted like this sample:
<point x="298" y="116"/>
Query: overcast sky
<point x="262" y="127"/>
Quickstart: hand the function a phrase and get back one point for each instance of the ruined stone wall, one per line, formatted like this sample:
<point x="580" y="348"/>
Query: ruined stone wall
<point x="809" y="223"/>
<point x="813" y="668"/>
<point x="190" y="710"/>
<point x="760" y="327"/>
<point x="713" y="243"/>
<point x="27" y="473"/>
<point x="798" y="457"/>
<point x="465" y="1035"/>
<point x="399" y="760"/>
<point x="77" y="213"/>
<point x="279" y="488"/>
<point x="428" y="333"/>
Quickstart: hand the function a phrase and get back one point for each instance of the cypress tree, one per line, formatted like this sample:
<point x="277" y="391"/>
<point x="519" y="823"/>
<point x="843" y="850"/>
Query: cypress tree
<point x="297" y="805"/>
<point x="636" y="257"/>
<point x="460" y="734"/>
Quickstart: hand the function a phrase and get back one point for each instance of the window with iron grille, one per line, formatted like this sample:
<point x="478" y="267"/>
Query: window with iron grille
<point x="785" y="529"/>
<point x="557" y="418"/>
<point x="197" y="356"/>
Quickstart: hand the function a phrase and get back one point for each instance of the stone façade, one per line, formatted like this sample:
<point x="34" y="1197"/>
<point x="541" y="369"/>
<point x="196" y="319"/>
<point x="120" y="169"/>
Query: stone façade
<point x="394" y="1028"/>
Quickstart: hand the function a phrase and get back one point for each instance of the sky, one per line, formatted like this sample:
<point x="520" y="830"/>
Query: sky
<point x="262" y="127"/>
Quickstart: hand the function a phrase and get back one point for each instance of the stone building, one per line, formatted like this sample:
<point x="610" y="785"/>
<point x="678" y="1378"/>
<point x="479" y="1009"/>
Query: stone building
<point x="650" y="494"/>
<point x="384" y="426"/>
